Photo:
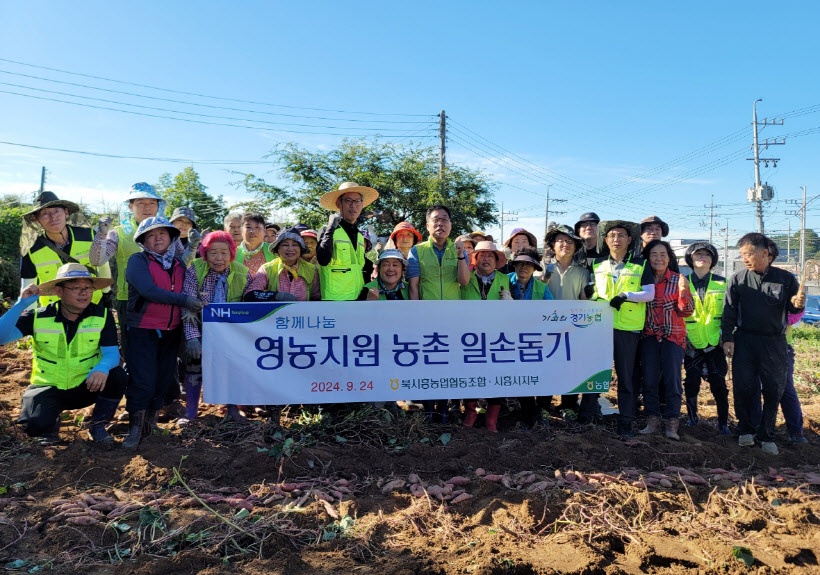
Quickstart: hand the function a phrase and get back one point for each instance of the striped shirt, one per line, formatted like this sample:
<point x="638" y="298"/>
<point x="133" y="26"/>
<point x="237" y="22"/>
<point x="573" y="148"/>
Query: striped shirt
<point x="190" y="324"/>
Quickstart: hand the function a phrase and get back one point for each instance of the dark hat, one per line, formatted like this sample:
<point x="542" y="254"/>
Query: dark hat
<point x="606" y="226"/>
<point x="567" y="231"/>
<point x="289" y="234"/>
<point x="523" y="258"/>
<point x="183" y="212"/>
<point x="587" y="217"/>
<point x="656" y="220"/>
<point x="687" y="257"/>
<point x="49" y="200"/>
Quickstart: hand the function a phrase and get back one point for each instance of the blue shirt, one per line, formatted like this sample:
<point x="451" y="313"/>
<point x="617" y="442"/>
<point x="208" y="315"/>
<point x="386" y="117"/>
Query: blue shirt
<point x="515" y="288"/>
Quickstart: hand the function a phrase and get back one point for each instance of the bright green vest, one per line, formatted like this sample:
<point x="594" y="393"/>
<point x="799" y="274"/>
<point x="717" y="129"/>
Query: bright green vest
<point x="126" y="248"/>
<point x="269" y="255"/>
<point x="342" y="279"/>
<point x="237" y="278"/>
<point x="305" y="270"/>
<point x="789" y="334"/>
<point x="703" y="326"/>
<point x="47" y="263"/>
<point x="405" y="294"/>
<point x="631" y="316"/>
<point x="438" y="280"/>
<point x="60" y="365"/>
<point x="470" y="291"/>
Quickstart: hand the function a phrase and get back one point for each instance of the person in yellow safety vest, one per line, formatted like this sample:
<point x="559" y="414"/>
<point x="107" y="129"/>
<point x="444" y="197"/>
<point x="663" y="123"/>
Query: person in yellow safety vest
<point x="142" y="202"/>
<point x="76" y="361"/>
<point x="436" y="270"/>
<point x="704" y="356"/>
<point x="58" y="245"/>
<point x="486" y="283"/>
<point x="341" y="250"/>
<point x="627" y="283"/>
<point x="253" y="252"/>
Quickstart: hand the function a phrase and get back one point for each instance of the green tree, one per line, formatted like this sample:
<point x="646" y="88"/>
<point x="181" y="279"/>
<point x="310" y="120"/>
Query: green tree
<point x="11" y="218"/>
<point x="405" y="177"/>
<point x="185" y="189"/>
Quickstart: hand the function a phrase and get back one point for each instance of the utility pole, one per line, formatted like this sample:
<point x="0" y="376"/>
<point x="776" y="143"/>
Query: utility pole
<point x="442" y="152"/>
<point x="726" y="251"/>
<point x="803" y="233"/>
<point x="789" y="243"/>
<point x="42" y="180"/>
<point x="547" y="210"/>
<point x="509" y="216"/>
<point x="711" y="207"/>
<point x="761" y="192"/>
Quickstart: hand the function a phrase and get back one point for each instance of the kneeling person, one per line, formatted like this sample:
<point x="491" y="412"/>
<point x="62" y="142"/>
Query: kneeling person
<point x="76" y="359"/>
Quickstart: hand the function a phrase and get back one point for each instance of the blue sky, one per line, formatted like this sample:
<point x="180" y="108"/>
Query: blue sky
<point x="628" y="109"/>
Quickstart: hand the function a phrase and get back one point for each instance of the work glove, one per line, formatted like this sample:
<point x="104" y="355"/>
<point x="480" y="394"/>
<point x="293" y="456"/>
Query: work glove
<point x="195" y="237"/>
<point x="194" y="348"/>
<point x="104" y="226"/>
<point x="334" y="221"/>
<point x="618" y="301"/>
<point x="504" y="294"/>
<point x="193" y="303"/>
<point x="285" y="296"/>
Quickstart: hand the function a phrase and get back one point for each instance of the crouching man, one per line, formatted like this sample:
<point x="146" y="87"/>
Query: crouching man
<point x="76" y="359"/>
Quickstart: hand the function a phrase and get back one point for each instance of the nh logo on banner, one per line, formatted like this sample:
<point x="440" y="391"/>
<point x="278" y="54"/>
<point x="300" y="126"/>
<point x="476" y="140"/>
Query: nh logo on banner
<point x="220" y="312"/>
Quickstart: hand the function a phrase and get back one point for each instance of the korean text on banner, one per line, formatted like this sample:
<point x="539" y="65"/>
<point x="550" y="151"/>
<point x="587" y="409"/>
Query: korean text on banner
<point x="333" y="352"/>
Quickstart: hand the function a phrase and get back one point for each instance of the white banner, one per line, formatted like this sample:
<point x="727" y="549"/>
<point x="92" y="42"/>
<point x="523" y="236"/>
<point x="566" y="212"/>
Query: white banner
<point x="333" y="352"/>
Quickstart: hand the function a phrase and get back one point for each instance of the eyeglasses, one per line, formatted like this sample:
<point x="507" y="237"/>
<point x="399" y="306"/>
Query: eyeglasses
<point x="588" y="225"/>
<point x="352" y="202"/>
<point x="565" y="241"/>
<point x="617" y="236"/>
<point x="79" y="290"/>
<point x="51" y="214"/>
<point x="440" y="221"/>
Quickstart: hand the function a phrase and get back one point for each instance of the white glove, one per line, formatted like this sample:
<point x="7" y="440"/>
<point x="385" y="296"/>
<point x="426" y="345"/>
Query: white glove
<point x="504" y="294"/>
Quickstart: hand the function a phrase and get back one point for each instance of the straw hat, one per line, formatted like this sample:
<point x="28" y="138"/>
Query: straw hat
<point x="519" y="232"/>
<point x="73" y="272"/>
<point x="328" y="201"/>
<point x="49" y="200"/>
<point x="500" y="257"/>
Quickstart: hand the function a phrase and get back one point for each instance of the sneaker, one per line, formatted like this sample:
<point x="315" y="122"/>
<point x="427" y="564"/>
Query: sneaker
<point x="797" y="438"/>
<point x="746" y="440"/>
<point x="770" y="448"/>
<point x="625" y="429"/>
<point x="723" y="429"/>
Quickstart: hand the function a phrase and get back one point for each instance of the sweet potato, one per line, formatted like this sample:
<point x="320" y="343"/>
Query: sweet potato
<point x="458" y="480"/>
<point x="56" y="518"/>
<point x="82" y="521"/>
<point x="540" y="486"/>
<point x="392" y="485"/>
<point x="121" y="495"/>
<point x="343" y="482"/>
<point x="413" y="478"/>
<point x="460" y="498"/>
<point x="322" y="496"/>
<point x="88" y="499"/>
<point x="493" y="478"/>
<point x="57" y="502"/>
<point x="480" y="472"/>
<point x="558" y="474"/>
<point x="693" y="479"/>
<point x="290" y="486"/>
<point x="665" y="483"/>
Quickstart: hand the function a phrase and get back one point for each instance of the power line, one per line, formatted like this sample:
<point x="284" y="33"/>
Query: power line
<point x="189" y="120"/>
<point x="192" y="103"/>
<point x="205" y="95"/>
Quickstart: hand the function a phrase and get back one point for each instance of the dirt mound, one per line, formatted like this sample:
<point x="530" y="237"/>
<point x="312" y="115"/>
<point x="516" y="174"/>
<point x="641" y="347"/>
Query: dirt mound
<point x="364" y="491"/>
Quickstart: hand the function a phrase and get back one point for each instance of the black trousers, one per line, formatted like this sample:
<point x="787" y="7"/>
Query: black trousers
<point x="661" y="359"/>
<point x="152" y="363"/>
<point x="42" y="404"/>
<point x="711" y="366"/>
<point x="625" y="350"/>
<point x="764" y="357"/>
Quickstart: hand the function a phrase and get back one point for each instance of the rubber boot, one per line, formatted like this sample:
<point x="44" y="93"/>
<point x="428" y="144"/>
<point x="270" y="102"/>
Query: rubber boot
<point x="136" y="419"/>
<point x="653" y="425"/>
<point x="672" y="428"/>
<point x="51" y="435"/>
<point x="193" y="389"/>
<point x="470" y="413"/>
<point x="492" y="418"/>
<point x="722" y="405"/>
<point x="101" y="416"/>
<point x="235" y="414"/>
<point x="150" y="423"/>
<point x="692" y="410"/>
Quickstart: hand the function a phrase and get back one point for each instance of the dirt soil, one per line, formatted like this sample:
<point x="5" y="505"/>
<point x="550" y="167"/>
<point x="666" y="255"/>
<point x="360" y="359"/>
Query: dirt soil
<point x="361" y="491"/>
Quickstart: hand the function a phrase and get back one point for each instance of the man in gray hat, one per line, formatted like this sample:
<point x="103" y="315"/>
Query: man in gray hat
<point x="586" y="228"/>
<point x="653" y="228"/>
<point x="184" y="220"/>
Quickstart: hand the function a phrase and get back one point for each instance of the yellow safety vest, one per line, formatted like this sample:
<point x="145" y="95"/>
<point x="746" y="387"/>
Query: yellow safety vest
<point x="405" y="294"/>
<point x="65" y="366"/>
<point x="438" y="280"/>
<point x="342" y="279"/>
<point x="470" y="291"/>
<point x="703" y="326"/>
<point x="47" y="263"/>
<point x="126" y="247"/>
<point x="631" y="316"/>
<point x="237" y="278"/>
<point x="304" y="270"/>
